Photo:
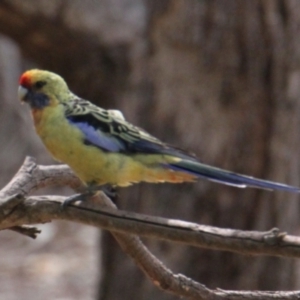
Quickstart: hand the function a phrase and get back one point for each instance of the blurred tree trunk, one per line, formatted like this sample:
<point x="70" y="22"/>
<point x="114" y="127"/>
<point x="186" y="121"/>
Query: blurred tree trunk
<point x="219" y="78"/>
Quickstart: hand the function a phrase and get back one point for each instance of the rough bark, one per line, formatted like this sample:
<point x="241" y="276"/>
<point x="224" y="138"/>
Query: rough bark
<point x="219" y="78"/>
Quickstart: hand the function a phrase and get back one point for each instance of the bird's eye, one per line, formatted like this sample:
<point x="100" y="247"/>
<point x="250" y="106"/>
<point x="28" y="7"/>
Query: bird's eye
<point x="39" y="84"/>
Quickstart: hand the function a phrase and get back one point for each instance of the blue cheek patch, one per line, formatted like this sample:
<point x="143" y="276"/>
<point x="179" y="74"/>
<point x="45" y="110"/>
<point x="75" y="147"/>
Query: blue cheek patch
<point x="37" y="100"/>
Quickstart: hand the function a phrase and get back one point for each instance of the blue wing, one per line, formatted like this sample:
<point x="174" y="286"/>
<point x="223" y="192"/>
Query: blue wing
<point x="116" y="135"/>
<point x="97" y="138"/>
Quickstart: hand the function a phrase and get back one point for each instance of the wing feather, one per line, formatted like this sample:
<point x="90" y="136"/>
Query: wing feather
<point x="109" y="131"/>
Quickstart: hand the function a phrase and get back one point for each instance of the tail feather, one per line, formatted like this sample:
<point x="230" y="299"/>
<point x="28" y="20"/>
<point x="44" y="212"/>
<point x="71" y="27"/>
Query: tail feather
<point x="228" y="177"/>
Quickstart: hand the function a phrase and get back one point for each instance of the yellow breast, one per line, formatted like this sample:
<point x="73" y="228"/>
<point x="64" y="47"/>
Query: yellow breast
<point x="92" y="165"/>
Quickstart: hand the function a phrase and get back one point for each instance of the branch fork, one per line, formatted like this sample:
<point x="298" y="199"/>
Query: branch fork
<point x="19" y="211"/>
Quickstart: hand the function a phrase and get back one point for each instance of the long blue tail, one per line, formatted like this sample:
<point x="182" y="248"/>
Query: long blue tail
<point x="227" y="177"/>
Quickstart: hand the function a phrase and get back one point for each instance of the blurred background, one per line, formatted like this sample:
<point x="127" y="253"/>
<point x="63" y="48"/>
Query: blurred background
<point x="218" y="78"/>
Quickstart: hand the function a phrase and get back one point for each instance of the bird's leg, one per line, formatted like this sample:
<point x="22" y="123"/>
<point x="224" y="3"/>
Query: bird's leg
<point x="78" y="197"/>
<point x="108" y="190"/>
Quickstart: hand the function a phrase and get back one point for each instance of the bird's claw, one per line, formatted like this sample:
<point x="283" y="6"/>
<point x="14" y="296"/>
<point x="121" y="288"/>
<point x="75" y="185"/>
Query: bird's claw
<point x="109" y="191"/>
<point x="77" y="197"/>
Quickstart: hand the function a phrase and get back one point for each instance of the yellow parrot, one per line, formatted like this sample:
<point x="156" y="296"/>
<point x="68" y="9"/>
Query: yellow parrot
<point x="102" y="148"/>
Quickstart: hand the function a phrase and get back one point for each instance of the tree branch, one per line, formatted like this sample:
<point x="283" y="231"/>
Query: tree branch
<point x="42" y="209"/>
<point x="16" y="209"/>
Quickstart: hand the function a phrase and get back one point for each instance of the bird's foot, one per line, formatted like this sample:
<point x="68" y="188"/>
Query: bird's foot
<point x="77" y="197"/>
<point x="108" y="190"/>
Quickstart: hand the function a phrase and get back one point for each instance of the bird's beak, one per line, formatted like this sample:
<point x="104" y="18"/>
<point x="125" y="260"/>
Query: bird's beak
<point x="22" y="93"/>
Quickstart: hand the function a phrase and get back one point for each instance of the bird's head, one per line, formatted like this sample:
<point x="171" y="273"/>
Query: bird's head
<point x="41" y="88"/>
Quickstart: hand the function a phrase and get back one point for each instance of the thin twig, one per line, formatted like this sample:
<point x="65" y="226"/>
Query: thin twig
<point x="29" y="231"/>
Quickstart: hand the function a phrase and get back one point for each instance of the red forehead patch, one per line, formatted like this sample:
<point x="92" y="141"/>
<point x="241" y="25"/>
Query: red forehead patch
<point x="25" y="80"/>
